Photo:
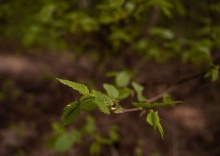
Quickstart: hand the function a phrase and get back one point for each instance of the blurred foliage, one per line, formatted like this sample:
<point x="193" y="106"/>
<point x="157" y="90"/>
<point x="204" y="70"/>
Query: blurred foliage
<point x="156" y="29"/>
<point x="62" y="140"/>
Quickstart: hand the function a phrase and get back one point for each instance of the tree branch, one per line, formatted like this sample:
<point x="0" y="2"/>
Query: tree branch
<point x="172" y="87"/>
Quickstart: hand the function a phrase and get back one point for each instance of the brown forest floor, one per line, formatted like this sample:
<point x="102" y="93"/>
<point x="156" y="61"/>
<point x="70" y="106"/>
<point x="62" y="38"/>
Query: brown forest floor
<point x="31" y="99"/>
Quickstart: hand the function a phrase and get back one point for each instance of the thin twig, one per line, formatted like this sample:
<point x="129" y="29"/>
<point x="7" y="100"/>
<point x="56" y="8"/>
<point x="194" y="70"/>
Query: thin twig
<point x="171" y="88"/>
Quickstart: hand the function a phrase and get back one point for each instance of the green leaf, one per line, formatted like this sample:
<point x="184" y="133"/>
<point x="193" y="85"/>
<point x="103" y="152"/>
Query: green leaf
<point x="146" y="105"/>
<point x="124" y="93"/>
<point x="213" y="73"/>
<point x="82" y="89"/>
<point x="66" y="140"/>
<point x="89" y="127"/>
<point x="71" y="112"/>
<point x="166" y="99"/>
<point x="63" y="143"/>
<point x="154" y="120"/>
<point x="100" y="101"/>
<point x="87" y="103"/>
<point x="111" y="90"/>
<point x="95" y="148"/>
<point x="139" y="89"/>
<point x="122" y="79"/>
<point x="108" y="100"/>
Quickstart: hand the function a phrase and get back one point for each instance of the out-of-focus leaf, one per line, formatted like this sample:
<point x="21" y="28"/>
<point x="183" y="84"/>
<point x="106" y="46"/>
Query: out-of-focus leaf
<point x="111" y="90"/>
<point x="139" y="89"/>
<point x="122" y="79"/>
<point x="124" y="93"/>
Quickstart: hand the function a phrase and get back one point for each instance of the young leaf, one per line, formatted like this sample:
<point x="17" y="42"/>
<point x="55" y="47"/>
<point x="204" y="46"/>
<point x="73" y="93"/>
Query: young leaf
<point x="139" y="89"/>
<point x="108" y="100"/>
<point x="124" y="93"/>
<point x="213" y="73"/>
<point x="71" y="112"/>
<point x="87" y="103"/>
<point x="111" y="90"/>
<point x="122" y="79"/>
<point x="154" y="120"/>
<point x="100" y="101"/>
<point x="82" y="89"/>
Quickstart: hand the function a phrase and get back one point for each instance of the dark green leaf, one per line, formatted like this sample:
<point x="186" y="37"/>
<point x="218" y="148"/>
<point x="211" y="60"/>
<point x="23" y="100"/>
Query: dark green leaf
<point x="87" y="103"/>
<point x="66" y="140"/>
<point x="63" y="143"/>
<point x="82" y="89"/>
<point x="71" y="112"/>
<point x="111" y="90"/>
<point x="100" y="101"/>
<point x="146" y="105"/>
<point x="89" y="127"/>
<point x="95" y="148"/>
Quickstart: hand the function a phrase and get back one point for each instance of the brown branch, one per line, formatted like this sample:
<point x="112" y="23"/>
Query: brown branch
<point x="172" y="87"/>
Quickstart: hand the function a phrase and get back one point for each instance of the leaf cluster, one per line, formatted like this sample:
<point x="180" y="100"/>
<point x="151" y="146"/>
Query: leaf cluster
<point x="109" y="102"/>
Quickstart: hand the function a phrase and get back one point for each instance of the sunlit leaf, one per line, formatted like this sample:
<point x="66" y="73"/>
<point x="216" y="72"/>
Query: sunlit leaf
<point x="154" y="120"/>
<point x="100" y="101"/>
<point x="82" y="89"/>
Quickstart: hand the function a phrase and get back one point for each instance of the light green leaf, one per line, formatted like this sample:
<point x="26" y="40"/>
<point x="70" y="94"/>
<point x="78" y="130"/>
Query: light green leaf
<point x="154" y="120"/>
<point x="108" y="100"/>
<point x="213" y="73"/>
<point x="122" y="79"/>
<point x="166" y="99"/>
<point x="82" y="89"/>
<point x="124" y="93"/>
<point x="100" y="101"/>
<point x="160" y="130"/>
<point x="71" y="112"/>
<point x="111" y="90"/>
<point x="139" y="89"/>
